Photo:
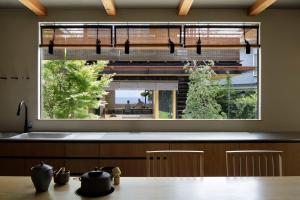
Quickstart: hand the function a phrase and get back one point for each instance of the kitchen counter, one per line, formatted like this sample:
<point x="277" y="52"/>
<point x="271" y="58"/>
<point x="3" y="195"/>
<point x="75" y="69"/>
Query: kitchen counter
<point x="153" y="136"/>
<point x="166" y="188"/>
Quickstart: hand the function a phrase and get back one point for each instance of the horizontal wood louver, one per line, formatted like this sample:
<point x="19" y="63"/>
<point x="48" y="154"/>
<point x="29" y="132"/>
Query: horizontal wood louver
<point x="148" y="35"/>
<point x="76" y="36"/>
<point x="220" y="36"/>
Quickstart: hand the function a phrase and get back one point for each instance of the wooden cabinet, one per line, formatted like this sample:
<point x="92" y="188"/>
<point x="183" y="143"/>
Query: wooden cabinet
<point x="43" y="149"/>
<point x="214" y="155"/>
<point x="79" y="166"/>
<point x="12" y="149"/>
<point x="17" y="157"/>
<point x="82" y="150"/>
<point x="130" y="157"/>
<point x="11" y="167"/>
<point x="291" y="159"/>
<point x="130" y="149"/>
<point x="129" y="167"/>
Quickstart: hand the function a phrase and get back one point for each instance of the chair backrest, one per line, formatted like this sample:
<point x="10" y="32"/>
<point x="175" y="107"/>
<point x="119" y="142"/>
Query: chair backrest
<point x="175" y="163"/>
<point x="254" y="163"/>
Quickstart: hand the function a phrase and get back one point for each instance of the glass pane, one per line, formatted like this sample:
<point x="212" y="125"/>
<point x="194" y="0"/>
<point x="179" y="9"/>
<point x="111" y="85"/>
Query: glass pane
<point x="165" y="105"/>
<point x="219" y="83"/>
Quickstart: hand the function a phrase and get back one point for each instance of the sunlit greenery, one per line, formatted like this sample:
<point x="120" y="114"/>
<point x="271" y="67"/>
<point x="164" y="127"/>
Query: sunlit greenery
<point x="203" y="90"/>
<point x="71" y="88"/>
<point x="207" y="99"/>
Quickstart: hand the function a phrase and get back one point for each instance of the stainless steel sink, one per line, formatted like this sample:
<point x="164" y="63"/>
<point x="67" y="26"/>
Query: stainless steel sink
<point x="7" y="135"/>
<point x="41" y="135"/>
<point x="86" y="136"/>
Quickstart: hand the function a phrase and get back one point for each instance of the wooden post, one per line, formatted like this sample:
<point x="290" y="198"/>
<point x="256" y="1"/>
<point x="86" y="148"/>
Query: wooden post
<point x="174" y="103"/>
<point x="156" y="104"/>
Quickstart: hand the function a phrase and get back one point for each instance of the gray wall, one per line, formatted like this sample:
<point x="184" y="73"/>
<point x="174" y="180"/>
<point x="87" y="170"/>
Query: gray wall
<point x="280" y="34"/>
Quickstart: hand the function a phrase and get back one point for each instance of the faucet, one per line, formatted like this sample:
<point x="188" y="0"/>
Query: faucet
<point x="27" y="126"/>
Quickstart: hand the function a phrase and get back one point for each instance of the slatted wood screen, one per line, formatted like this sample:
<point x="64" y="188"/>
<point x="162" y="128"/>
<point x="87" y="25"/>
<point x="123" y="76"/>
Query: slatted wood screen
<point x="175" y="163"/>
<point x="148" y="35"/>
<point x="77" y="35"/>
<point x="151" y="35"/>
<point x="254" y="163"/>
<point x="219" y="36"/>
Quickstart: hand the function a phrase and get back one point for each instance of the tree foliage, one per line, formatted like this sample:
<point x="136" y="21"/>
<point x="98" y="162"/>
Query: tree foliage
<point x="237" y="103"/>
<point x="203" y="90"/>
<point x="70" y="88"/>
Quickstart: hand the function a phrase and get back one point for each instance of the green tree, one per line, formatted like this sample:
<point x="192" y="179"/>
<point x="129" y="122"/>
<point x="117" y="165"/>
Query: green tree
<point x="246" y="107"/>
<point x="203" y="90"/>
<point x="70" y="88"/>
<point x="237" y="103"/>
<point x="147" y="94"/>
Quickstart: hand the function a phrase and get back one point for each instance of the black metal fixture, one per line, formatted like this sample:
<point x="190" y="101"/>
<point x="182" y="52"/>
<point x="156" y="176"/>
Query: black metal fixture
<point x="98" y="44"/>
<point x="171" y="43"/>
<point x="248" y="46"/>
<point x="127" y="45"/>
<point x="51" y="43"/>
<point x="27" y="126"/>
<point x="199" y="47"/>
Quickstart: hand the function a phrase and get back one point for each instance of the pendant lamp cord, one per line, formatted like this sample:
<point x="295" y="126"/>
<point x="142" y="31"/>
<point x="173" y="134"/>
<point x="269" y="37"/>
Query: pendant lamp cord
<point x="199" y="35"/>
<point x="127" y="32"/>
<point x="97" y="34"/>
<point x="245" y="35"/>
<point x="169" y="32"/>
<point x="53" y="37"/>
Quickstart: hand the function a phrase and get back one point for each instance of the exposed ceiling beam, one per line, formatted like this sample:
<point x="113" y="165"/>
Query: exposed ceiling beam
<point x="259" y="6"/>
<point x="109" y="6"/>
<point x="35" y="6"/>
<point x="184" y="7"/>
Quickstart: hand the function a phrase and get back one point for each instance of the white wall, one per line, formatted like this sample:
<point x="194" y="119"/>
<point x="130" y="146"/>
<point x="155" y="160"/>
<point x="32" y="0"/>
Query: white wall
<point x="280" y="69"/>
<point x="248" y="59"/>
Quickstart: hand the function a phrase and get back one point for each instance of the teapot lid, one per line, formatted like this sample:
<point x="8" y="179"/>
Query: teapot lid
<point x="41" y="167"/>
<point x="96" y="173"/>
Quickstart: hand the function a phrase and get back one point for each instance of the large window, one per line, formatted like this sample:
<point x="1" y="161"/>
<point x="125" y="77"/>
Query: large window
<point x="149" y="71"/>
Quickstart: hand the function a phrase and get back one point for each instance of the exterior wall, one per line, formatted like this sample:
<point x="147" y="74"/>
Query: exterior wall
<point x="280" y="69"/>
<point x="248" y="59"/>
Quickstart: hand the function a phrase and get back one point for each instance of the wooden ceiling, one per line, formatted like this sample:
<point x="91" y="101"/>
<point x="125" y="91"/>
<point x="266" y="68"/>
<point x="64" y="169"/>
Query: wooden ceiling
<point x="110" y="7"/>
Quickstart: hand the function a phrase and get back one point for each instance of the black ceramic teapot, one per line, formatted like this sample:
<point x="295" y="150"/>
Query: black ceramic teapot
<point x="41" y="176"/>
<point x="95" y="183"/>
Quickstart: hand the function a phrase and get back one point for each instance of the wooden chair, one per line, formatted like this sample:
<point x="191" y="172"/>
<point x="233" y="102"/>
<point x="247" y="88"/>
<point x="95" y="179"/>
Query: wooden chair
<point x="254" y="163"/>
<point x="175" y="163"/>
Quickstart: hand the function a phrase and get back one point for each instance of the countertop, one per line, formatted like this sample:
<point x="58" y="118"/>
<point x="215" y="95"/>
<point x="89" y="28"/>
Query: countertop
<point x="164" y="188"/>
<point x="153" y="136"/>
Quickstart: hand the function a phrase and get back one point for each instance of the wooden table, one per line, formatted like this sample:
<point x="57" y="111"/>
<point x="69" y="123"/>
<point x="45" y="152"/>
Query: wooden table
<point x="212" y="188"/>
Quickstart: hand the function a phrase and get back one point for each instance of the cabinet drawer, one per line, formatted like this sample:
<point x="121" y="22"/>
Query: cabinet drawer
<point x="44" y="149"/>
<point x="214" y="155"/>
<point x="129" y="167"/>
<point x="82" y="150"/>
<point x="79" y="166"/>
<point x="12" y="149"/>
<point x="130" y="149"/>
<point x="12" y="167"/>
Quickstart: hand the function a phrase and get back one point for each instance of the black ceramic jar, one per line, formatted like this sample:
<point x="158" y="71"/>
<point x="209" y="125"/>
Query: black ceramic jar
<point x="41" y="176"/>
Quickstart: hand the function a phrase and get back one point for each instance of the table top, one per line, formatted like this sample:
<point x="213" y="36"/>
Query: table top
<point x="169" y="188"/>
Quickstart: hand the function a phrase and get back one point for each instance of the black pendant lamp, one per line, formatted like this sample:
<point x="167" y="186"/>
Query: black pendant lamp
<point x="98" y="44"/>
<point x="171" y="43"/>
<point x="127" y="45"/>
<point x="248" y="46"/>
<point x="199" y="47"/>
<point x="51" y="44"/>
